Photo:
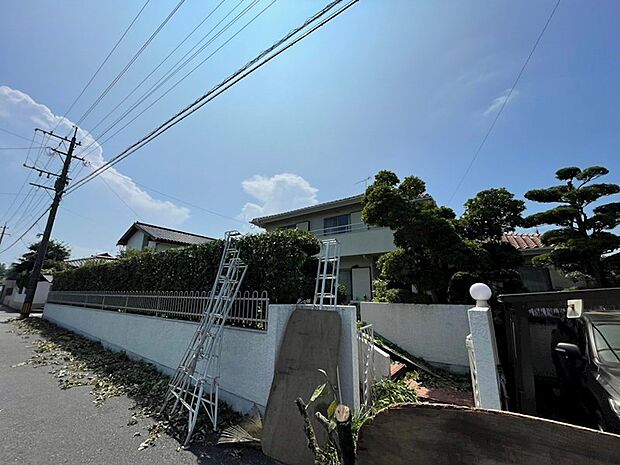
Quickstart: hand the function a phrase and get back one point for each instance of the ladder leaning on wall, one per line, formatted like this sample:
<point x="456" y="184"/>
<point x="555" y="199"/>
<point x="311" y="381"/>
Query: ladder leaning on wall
<point x="200" y="365"/>
<point x="326" y="288"/>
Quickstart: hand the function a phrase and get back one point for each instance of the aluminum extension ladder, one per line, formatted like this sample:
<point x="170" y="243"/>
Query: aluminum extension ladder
<point x="326" y="288"/>
<point x="200" y="365"/>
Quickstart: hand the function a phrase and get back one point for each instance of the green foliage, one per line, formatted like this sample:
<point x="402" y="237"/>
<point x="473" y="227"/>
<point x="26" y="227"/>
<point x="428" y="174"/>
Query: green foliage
<point x="342" y="293"/>
<point x="583" y="235"/>
<point x="280" y="262"/>
<point x="3" y="270"/>
<point x="434" y="246"/>
<point x="490" y="214"/>
<point x="382" y="292"/>
<point x="387" y="392"/>
<point x="57" y="253"/>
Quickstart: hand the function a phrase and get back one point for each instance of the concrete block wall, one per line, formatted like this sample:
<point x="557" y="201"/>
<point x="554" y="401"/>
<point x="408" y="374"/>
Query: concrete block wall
<point x="433" y="332"/>
<point x="248" y="356"/>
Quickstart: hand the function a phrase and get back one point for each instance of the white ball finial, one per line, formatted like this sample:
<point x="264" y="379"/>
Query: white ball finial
<point x="481" y="293"/>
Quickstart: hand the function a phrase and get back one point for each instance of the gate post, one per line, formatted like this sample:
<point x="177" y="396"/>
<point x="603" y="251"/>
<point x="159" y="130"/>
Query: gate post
<point x="485" y="348"/>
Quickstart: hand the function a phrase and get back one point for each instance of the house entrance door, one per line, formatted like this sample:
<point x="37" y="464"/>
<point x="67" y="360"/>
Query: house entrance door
<point x="361" y="284"/>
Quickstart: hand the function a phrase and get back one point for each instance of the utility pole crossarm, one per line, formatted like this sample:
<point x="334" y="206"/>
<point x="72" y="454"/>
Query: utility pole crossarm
<point x="59" y="189"/>
<point x="41" y="171"/>
<point x="64" y="154"/>
<point x="42" y="186"/>
<point x="51" y="133"/>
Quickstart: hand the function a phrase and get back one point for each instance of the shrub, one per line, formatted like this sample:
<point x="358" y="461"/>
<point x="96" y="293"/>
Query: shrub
<point x="280" y="262"/>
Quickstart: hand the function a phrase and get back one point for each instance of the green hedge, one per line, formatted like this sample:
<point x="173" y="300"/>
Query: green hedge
<point x="280" y="262"/>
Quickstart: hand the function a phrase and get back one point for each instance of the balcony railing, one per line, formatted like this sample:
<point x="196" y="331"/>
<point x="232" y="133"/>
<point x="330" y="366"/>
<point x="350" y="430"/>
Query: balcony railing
<point x="347" y="228"/>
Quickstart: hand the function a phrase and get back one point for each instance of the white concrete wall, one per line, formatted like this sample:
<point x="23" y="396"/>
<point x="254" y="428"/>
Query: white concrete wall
<point x="136" y="242"/>
<point x="40" y="297"/>
<point x="435" y="332"/>
<point x="248" y="356"/>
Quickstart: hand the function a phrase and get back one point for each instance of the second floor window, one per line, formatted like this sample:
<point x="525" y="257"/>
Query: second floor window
<point x="337" y="224"/>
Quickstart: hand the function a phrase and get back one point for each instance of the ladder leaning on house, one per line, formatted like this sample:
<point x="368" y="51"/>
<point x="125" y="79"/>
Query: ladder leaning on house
<point x="200" y="365"/>
<point x="326" y="288"/>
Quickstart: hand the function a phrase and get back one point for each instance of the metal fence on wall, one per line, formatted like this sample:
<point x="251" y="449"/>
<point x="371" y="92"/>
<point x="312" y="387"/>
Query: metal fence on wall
<point x="249" y="310"/>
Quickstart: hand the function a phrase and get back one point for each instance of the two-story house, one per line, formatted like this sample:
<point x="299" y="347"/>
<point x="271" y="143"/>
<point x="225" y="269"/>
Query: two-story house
<point x="360" y="245"/>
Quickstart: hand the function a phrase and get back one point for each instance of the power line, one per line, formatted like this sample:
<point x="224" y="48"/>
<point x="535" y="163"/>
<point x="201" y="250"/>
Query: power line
<point x="14" y="134"/>
<point x="504" y="103"/>
<point x="120" y="198"/>
<point x="12" y="193"/>
<point x="198" y="65"/>
<point x="131" y="62"/>
<point x="163" y="79"/>
<point x="23" y="148"/>
<point x="158" y="66"/>
<point x="21" y="188"/>
<point x="250" y="67"/>
<point x="105" y="60"/>
<point x="190" y="204"/>
<point x="26" y="231"/>
<point x="253" y="65"/>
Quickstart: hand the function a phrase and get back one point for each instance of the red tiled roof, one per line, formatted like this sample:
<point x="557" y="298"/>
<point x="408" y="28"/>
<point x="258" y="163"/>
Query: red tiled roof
<point x="523" y="241"/>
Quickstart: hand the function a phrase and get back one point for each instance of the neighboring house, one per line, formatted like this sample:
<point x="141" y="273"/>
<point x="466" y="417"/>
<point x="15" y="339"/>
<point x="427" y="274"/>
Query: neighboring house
<point x="360" y="244"/>
<point x="10" y="286"/>
<point x="141" y="236"/>
<point x="93" y="259"/>
<point x="536" y="279"/>
<point x="14" y="297"/>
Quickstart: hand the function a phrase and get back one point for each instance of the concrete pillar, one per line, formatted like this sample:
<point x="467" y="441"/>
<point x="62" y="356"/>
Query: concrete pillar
<point x="485" y="348"/>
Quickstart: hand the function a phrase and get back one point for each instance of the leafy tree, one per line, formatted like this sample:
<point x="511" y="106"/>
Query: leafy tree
<point x="57" y="253"/>
<point x="487" y="216"/>
<point x="3" y="270"/>
<point x="583" y="235"/>
<point x="490" y="214"/>
<point x="434" y="252"/>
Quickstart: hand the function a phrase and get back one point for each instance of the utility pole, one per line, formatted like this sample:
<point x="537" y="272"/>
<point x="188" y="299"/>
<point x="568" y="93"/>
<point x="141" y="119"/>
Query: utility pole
<point x="59" y="188"/>
<point x="2" y="234"/>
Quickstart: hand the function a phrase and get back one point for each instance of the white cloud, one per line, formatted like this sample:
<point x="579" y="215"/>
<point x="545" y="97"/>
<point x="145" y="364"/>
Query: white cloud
<point x="275" y="194"/>
<point x="499" y="101"/>
<point x="24" y="113"/>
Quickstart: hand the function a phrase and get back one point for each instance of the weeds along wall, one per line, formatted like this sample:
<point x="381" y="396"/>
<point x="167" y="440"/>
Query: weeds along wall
<point x="279" y="262"/>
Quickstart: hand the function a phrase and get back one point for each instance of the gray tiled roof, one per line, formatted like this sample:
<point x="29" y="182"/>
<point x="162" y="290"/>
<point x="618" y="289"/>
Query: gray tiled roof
<point x="161" y="234"/>
<point x="355" y="199"/>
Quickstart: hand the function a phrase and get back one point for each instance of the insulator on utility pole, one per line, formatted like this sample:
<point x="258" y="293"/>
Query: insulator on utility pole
<point x="59" y="189"/>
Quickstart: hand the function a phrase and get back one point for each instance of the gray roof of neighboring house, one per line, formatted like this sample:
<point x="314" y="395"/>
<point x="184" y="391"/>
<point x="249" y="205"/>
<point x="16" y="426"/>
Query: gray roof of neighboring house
<point x="97" y="258"/>
<point x="353" y="200"/>
<point x="161" y="234"/>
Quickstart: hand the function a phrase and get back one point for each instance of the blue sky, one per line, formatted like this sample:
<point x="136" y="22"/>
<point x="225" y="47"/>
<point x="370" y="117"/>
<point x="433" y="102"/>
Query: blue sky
<point x="409" y="86"/>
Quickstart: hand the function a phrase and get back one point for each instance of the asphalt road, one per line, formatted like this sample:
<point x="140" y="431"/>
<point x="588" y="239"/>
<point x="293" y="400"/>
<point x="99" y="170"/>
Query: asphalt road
<point x="42" y="424"/>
